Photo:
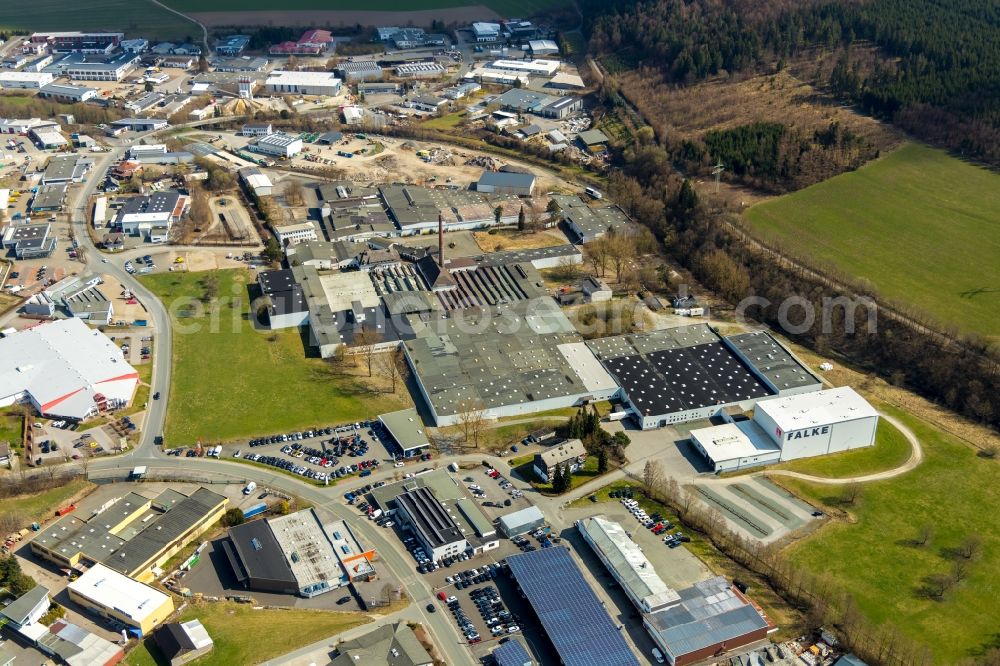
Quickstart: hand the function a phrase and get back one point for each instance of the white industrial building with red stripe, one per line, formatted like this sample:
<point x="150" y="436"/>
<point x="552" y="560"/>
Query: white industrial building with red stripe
<point x="65" y="369"/>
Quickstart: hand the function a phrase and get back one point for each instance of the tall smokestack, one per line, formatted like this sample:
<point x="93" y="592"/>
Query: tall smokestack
<point x="440" y="241"/>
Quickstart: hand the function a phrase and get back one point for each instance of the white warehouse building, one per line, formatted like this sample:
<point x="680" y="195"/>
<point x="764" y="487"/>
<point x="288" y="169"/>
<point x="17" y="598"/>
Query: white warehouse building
<point x="303" y="83"/>
<point x="790" y="427"/>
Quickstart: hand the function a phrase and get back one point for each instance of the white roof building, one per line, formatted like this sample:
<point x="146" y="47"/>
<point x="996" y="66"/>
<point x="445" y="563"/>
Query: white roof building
<point x="535" y="67"/>
<point x="629" y="565"/>
<point x="734" y="446"/>
<point x="303" y="83"/>
<point x="278" y="144"/>
<point x="33" y="80"/>
<point x="353" y="115"/>
<point x="66" y="369"/>
<point x="109" y="589"/>
<point x="819" y="408"/>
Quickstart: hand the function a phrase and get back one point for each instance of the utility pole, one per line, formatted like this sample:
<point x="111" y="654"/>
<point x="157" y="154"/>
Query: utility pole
<point x="717" y="172"/>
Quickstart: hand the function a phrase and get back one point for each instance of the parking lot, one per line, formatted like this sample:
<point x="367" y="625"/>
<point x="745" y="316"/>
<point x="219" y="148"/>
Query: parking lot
<point x="322" y="453"/>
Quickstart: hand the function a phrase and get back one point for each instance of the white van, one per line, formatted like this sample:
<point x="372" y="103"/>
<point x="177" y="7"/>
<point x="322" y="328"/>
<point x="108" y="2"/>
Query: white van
<point x="657" y="655"/>
<point x="250" y="488"/>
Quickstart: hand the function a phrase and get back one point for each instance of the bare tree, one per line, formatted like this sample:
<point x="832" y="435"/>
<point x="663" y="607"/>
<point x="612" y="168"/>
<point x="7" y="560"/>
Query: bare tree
<point x="472" y="420"/>
<point x="392" y="364"/>
<point x="292" y="192"/>
<point x="924" y="534"/>
<point x="937" y="585"/>
<point x="851" y="494"/>
<point x="534" y="216"/>
<point x="597" y="255"/>
<point x="652" y="476"/>
<point x="971" y="547"/>
<point x="367" y="340"/>
<point x="341" y="360"/>
<point x="621" y="251"/>
<point x="960" y="570"/>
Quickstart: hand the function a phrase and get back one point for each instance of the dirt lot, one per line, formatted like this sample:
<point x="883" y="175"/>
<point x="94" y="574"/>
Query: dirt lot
<point x="123" y="309"/>
<point x="308" y="19"/>
<point x="519" y="241"/>
<point x="197" y="260"/>
<point x="395" y="163"/>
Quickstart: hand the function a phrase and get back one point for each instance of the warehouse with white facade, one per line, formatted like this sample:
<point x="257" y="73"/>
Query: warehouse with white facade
<point x="302" y="83"/>
<point x="65" y="369"/>
<point x="790" y="427"/>
<point x="814" y="424"/>
<point x="278" y="144"/>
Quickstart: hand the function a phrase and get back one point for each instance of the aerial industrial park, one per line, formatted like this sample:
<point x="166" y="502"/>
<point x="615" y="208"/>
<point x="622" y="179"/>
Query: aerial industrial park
<point x="369" y="345"/>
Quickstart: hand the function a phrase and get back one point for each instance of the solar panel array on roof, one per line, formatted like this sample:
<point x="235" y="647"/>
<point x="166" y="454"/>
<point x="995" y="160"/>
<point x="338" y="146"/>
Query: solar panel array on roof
<point x="573" y="617"/>
<point x="676" y="380"/>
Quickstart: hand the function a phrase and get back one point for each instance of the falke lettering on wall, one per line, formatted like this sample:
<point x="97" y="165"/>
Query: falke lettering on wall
<point x="809" y="432"/>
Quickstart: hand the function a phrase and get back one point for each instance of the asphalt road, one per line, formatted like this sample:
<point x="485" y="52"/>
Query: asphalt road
<point x="392" y="555"/>
<point x="156" y="412"/>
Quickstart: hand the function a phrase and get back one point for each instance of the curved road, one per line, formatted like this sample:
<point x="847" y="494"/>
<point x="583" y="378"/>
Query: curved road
<point x="160" y="380"/>
<point x="916" y="457"/>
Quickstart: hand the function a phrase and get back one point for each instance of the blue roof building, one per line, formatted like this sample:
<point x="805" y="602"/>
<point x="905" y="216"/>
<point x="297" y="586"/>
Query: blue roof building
<point x="569" y="611"/>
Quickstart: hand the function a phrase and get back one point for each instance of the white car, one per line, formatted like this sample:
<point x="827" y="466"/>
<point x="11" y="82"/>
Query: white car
<point x="397" y="464"/>
<point x="473" y="486"/>
<point x="513" y="629"/>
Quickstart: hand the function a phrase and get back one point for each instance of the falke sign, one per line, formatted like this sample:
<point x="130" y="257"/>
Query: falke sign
<point x="808" y="432"/>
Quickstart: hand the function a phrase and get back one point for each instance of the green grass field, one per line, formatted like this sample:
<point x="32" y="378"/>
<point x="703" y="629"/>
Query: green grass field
<point x="874" y="560"/>
<point x="243" y="635"/>
<point x="10" y="429"/>
<point x="230" y="381"/>
<point x="134" y="17"/>
<point x="918" y="224"/>
<point x="890" y="451"/>
<point x="42" y="505"/>
<point x="503" y="7"/>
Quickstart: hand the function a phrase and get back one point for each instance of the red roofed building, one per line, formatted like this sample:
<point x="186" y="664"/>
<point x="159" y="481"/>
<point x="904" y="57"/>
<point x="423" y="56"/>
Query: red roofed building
<point x="312" y="42"/>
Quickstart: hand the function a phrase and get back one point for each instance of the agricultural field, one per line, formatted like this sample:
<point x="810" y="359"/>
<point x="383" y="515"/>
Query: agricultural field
<point x="919" y="225"/>
<point x="876" y="555"/>
<point x="243" y="635"/>
<point x="502" y="7"/>
<point x="134" y="17"/>
<point x="891" y="450"/>
<point x="253" y="380"/>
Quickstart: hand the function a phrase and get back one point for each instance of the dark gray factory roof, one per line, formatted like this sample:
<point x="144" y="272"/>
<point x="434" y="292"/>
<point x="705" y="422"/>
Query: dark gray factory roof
<point x="167" y="529"/>
<point x="527" y="255"/>
<point x="272" y="282"/>
<point x="573" y="617"/>
<point x="495" y="361"/>
<point x="429" y="517"/>
<point x="260" y="553"/>
<point x="772" y="360"/>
